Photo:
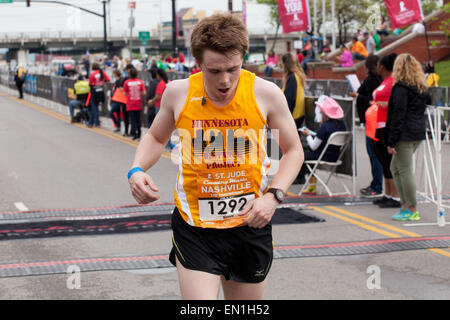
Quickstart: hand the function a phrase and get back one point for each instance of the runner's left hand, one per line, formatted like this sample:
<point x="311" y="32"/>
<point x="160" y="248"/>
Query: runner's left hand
<point x="259" y="212"/>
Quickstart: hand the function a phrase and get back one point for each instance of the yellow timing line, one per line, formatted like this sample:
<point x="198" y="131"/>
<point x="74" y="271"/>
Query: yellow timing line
<point x="377" y="223"/>
<point x="66" y="119"/>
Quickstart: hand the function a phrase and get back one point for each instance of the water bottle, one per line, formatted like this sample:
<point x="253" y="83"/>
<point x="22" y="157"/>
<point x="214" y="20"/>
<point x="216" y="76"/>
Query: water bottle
<point x="441" y="217"/>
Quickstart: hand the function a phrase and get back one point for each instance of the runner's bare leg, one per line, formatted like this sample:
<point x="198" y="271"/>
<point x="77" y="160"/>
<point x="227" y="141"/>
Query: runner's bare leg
<point x="233" y="290"/>
<point x="197" y="285"/>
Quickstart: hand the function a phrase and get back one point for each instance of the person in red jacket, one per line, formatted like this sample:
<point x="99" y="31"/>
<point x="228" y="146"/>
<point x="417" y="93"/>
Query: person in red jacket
<point x="97" y="80"/>
<point x="134" y="89"/>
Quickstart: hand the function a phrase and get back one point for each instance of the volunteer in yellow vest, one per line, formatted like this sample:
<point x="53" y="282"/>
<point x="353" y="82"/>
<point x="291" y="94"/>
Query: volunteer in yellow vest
<point x="19" y="79"/>
<point x="293" y="87"/>
<point x="81" y="90"/>
<point x="224" y="203"/>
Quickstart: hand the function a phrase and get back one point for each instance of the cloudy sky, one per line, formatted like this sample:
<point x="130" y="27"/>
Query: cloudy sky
<point x="39" y="17"/>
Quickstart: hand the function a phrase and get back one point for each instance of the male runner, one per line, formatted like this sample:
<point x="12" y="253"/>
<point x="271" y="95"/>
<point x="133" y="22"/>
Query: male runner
<point x="221" y="224"/>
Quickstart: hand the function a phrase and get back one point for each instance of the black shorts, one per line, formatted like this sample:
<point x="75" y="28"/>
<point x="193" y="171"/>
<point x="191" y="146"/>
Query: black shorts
<point x="241" y="254"/>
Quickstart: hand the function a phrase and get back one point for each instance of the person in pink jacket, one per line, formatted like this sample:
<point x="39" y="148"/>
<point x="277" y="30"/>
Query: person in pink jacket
<point x="346" y="58"/>
<point x="271" y="62"/>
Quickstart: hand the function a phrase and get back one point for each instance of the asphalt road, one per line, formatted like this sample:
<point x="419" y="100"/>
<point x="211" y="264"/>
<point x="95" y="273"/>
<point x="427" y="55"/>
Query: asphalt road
<point x="48" y="163"/>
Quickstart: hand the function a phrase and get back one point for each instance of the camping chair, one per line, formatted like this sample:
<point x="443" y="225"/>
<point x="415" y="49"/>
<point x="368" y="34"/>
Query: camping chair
<point x="341" y="139"/>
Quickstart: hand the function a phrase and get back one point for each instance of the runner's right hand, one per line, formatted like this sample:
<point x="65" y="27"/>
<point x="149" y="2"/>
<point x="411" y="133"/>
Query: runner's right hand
<point x="141" y="185"/>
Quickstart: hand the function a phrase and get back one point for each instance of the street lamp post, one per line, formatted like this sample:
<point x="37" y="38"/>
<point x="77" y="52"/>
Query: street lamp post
<point x="174" y="29"/>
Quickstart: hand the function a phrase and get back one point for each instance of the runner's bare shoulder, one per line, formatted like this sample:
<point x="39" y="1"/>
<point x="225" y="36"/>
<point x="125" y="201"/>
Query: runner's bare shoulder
<point x="176" y="92"/>
<point x="268" y="95"/>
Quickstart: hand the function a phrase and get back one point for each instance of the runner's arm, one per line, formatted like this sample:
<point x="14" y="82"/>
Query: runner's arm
<point x="271" y="99"/>
<point x="150" y="149"/>
<point x="280" y="121"/>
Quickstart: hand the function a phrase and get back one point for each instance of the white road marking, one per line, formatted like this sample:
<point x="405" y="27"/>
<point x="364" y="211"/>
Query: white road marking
<point x="21" y="206"/>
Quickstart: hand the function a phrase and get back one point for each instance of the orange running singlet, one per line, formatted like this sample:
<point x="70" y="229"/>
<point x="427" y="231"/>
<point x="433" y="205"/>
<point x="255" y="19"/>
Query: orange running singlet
<point x="223" y="160"/>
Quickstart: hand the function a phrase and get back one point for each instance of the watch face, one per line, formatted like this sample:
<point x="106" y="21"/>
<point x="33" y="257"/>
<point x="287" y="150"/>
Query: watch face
<point x="280" y="195"/>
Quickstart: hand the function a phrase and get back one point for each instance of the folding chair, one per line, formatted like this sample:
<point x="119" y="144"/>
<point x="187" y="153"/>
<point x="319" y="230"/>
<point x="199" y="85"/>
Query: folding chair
<point x="341" y="139"/>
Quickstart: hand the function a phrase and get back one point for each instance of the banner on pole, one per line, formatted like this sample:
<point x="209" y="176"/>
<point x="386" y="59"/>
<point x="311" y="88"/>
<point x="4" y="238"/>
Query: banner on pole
<point x="294" y="15"/>
<point x="402" y="13"/>
<point x="244" y="12"/>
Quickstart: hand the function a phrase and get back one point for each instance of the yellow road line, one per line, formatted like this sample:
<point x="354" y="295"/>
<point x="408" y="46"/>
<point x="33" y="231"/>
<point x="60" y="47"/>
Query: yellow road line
<point x="66" y="119"/>
<point x="375" y="222"/>
<point x="358" y="223"/>
<point x="383" y="225"/>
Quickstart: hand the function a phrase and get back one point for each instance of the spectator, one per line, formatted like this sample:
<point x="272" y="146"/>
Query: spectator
<point x="326" y="47"/>
<point x="332" y="114"/>
<point x="370" y="43"/>
<point x="431" y="77"/>
<point x="134" y="89"/>
<point x="293" y="87"/>
<point x="162" y="78"/>
<point x="115" y="105"/>
<point x="87" y="65"/>
<point x="178" y="65"/>
<point x="406" y="129"/>
<point x="363" y="98"/>
<point x="19" y="79"/>
<point x="358" y="50"/>
<point x="126" y="116"/>
<point x="346" y="58"/>
<point x="150" y="109"/>
<point x="97" y="80"/>
<point x="81" y="88"/>
<point x="168" y="59"/>
<point x="377" y="39"/>
<point x="381" y="97"/>
<point x="299" y="56"/>
<point x="382" y="28"/>
<point x="195" y="69"/>
<point x="310" y="55"/>
<point x="271" y="63"/>
<point x="360" y="34"/>
<point x="181" y="57"/>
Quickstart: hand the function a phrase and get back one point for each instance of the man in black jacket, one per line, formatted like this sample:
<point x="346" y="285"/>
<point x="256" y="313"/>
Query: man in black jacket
<point x="150" y="109"/>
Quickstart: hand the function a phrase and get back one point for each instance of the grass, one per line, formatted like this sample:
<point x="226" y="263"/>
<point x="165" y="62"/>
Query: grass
<point x="442" y="68"/>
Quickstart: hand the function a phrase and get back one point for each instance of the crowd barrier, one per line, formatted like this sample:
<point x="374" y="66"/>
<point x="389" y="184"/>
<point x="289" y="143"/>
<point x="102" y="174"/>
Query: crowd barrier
<point x="55" y="88"/>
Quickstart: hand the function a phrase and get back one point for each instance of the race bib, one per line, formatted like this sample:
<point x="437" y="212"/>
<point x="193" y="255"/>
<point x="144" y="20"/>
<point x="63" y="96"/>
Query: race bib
<point x="223" y="193"/>
<point x="223" y="208"/>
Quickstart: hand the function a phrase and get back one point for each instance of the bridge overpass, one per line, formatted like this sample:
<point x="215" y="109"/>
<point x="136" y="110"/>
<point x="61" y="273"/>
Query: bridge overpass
<point x="39" y="42"/>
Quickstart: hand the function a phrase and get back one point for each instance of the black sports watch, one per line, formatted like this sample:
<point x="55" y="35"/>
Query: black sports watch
<point x="278" y="193"/>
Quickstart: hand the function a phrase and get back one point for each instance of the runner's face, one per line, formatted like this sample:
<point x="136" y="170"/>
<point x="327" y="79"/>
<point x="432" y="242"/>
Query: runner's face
<point x="221" y="74"/>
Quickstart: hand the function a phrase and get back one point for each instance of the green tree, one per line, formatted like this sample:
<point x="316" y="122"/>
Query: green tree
<point x="274" y="17"/>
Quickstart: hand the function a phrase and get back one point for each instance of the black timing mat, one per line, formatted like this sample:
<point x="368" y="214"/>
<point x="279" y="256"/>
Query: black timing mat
<point x="54" y="223"/>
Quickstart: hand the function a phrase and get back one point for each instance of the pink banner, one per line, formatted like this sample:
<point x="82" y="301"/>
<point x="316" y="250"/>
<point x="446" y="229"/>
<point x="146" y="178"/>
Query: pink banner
<point x="294" y="15"/>
<point x="402" y="13"/>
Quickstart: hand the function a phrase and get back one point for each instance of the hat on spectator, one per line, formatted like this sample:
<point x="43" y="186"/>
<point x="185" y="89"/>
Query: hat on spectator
<point x="330" y="107"/>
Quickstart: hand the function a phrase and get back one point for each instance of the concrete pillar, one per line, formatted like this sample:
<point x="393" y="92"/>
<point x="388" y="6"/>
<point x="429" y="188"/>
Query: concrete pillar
<point x="125" y="53"/>
<point x="22" y="58"/>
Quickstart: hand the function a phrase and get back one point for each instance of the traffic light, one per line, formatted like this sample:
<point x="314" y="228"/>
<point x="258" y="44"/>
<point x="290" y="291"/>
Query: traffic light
<point x="28" y="3"/>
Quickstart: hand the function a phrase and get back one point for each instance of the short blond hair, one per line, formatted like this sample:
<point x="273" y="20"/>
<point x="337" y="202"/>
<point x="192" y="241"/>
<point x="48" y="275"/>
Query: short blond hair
<point x="408" y="70"/>
<point x="222" y="33"/>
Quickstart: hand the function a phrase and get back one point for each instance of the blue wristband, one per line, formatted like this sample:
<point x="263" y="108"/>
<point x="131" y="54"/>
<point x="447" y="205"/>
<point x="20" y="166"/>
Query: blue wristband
<point x="134" y="170"/>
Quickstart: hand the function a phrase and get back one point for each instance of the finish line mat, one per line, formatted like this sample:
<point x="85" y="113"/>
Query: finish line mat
<point x="280" y="252"/>
<point x="127" y="219"/>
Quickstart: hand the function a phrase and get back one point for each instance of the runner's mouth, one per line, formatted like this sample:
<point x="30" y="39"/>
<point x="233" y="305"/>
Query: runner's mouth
<point x="224" y="91"/>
